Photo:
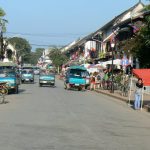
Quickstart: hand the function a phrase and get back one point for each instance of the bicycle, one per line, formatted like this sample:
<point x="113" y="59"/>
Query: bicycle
<point x="125" y="89"/>
<point x="3" y="92"/>
<point x="3" y="88"/>
<point x="107" y="85"/>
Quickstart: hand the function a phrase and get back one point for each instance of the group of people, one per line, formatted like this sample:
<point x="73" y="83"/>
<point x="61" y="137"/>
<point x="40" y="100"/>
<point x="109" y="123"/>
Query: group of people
<point x="96" y="80"/>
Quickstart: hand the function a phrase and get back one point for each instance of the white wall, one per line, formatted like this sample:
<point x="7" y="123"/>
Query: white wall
<point x="88" y="46"/>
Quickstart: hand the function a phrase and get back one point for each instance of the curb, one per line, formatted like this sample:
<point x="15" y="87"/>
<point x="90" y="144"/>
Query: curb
<point x="145" y="107"/>
<point x="112" y="95"/>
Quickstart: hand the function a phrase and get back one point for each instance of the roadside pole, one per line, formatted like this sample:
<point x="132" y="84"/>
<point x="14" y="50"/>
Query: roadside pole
<point x="130" y="91"/>
<point x="142" y="99"/>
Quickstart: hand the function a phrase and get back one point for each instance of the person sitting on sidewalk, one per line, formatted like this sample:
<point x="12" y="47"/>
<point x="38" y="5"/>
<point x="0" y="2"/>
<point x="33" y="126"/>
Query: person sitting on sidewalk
<point x="138" y="94"/>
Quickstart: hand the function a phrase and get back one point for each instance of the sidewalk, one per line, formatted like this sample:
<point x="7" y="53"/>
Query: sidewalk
<point x="117" y="95"/>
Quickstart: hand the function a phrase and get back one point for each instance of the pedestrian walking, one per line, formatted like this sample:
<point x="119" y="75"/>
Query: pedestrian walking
<point x="138" y="94"/>
<point x="105" y="81"/>
<point x="92" y="81"/>
<point x="98" y="81"/>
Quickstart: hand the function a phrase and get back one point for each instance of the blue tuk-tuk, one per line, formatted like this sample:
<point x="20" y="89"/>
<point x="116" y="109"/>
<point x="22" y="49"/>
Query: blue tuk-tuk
<point x="75" y="78"/>
<point x="27" y="75"/>
<point x="9" y="75"/>
<point x="46" y="78"/>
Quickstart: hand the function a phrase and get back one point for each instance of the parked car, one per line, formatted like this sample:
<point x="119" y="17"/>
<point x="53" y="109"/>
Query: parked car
<point x="75" y="78"/>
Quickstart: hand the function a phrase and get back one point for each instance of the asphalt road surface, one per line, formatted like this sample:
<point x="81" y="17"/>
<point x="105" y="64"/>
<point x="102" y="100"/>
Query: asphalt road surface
<point x="45" y="118"/>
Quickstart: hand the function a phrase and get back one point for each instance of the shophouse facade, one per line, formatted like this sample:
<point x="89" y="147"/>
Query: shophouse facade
<point x="96" y="47"/>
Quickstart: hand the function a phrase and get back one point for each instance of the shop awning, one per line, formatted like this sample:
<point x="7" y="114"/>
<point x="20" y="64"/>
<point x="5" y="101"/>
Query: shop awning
<point x="98" y="66"/>
<point x="115" y="62"/>
<point x="144" y="74"/>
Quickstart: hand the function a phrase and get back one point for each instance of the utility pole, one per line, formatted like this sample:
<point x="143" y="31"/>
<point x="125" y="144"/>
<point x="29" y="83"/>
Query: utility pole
<point x="2" y="46"/>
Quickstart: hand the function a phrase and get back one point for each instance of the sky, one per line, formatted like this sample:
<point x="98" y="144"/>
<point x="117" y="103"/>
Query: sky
<point x="59" y="22"/>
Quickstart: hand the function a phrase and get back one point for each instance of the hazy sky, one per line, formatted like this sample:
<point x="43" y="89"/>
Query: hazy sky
<point x="48" y="22"/>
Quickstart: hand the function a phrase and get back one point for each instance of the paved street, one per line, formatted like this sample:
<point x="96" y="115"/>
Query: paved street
<point x="55" y="119"/>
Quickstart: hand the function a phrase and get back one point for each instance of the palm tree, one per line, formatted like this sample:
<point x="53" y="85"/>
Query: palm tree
<point x="2" y="20"/>
<point x="2" y="12"/>
<point x="2" y="29"/>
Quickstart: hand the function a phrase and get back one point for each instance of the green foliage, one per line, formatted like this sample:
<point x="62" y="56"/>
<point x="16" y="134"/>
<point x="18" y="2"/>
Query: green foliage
<point x="57" y="57"/>
<point x="22" y="47"/>
<point x="141" y="48"/>
<point x="2" y="20"/>
<point x="145" y="32"/>
<point x="36" y="55"/>
<point x="139" y="45"/>
<point x="2" y="12"/>
<point x="142" y="40"/>
<point x="39" y="51"/>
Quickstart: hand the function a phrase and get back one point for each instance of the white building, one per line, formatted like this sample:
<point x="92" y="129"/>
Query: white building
<point x="10" y="54"/>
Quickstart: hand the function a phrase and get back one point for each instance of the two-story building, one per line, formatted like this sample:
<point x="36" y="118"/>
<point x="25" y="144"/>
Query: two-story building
<point x="97" y="47"/>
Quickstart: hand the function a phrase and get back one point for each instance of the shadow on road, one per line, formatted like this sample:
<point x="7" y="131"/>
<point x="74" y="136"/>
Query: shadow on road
<point x="145" y="103"/>
<point x="22" y="90"/>
<point x="5" y="102"/>
<point x="75" y="90"/>
<point x="47" y="86"/>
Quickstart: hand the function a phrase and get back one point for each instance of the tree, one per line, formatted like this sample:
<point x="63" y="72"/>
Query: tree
<point x="22" y="47"/>
<point x="142" y="47"/>
<point x="34" y="57"/>
<point x="2" y="12"/>
<point x="2" y="29"/>
<point x="39" y="52"/>
<point x="57" y="57"/>
<point x="2" y="20"/>
<point x="139" y="45"/>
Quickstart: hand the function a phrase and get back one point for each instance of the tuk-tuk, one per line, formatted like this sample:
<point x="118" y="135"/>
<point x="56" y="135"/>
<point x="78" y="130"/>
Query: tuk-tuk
<point x="47" y="78"/>
<point x="9" y="75"/>
<point x="27" y="75"/>
<point x="75" y="78"/>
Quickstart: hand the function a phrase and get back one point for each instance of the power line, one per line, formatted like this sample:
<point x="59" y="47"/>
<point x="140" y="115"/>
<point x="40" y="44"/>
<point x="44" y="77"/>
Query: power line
<point x="50" y="45"/>
<point x="53" y="35"/>
<point x="39" y="45"/>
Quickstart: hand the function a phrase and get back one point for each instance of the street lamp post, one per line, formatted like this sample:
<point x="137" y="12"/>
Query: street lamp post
<point x="112" y="68"/>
